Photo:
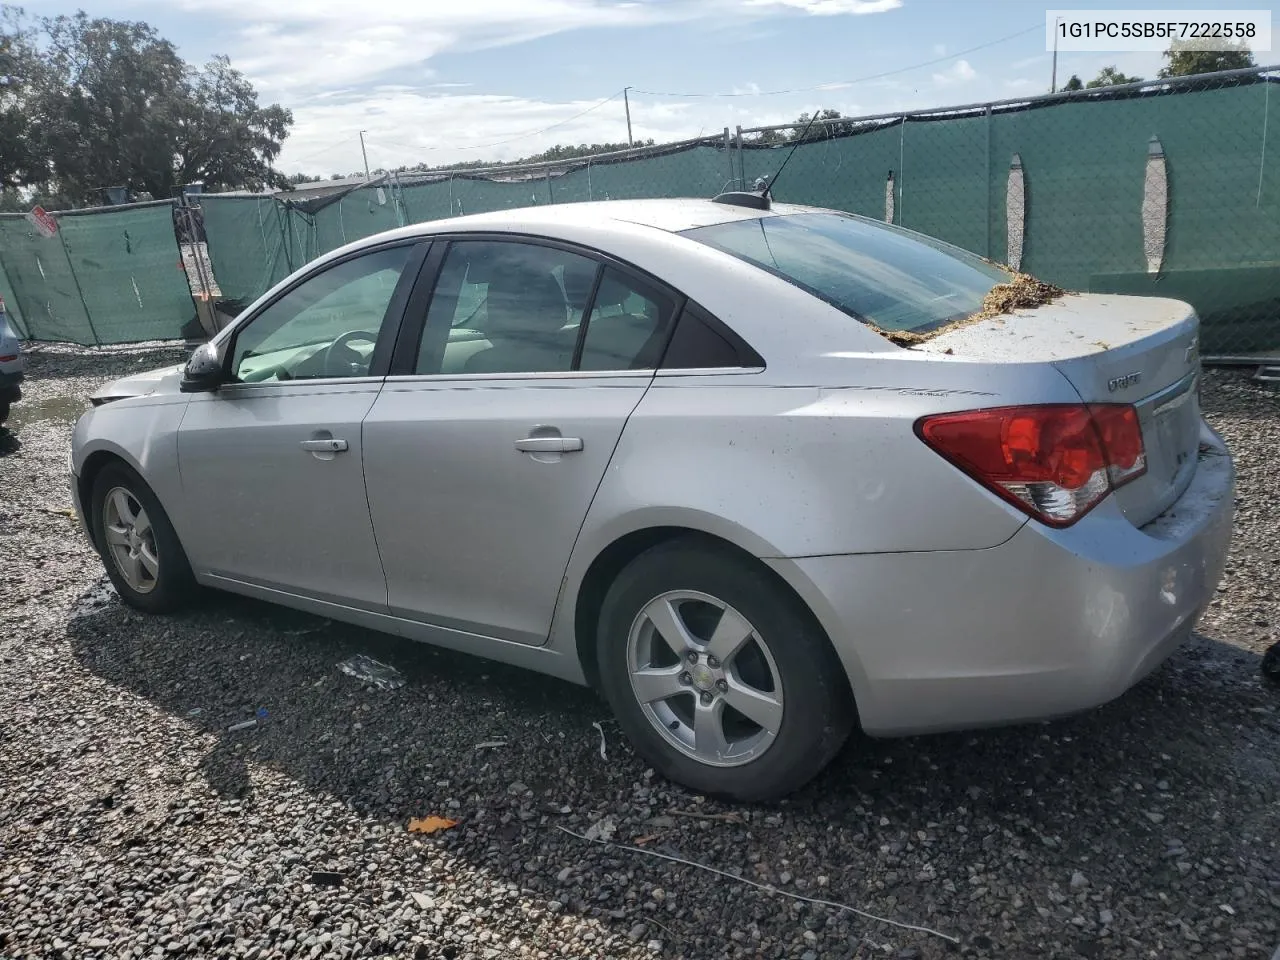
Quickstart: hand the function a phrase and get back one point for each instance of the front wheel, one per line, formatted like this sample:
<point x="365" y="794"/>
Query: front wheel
<point x="721" y="679"/>
<point x="139" y="547"/>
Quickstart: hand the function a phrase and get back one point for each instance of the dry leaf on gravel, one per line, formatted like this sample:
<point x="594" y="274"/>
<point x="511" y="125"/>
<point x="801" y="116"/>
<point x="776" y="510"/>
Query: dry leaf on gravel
<point x="432" y="824"/>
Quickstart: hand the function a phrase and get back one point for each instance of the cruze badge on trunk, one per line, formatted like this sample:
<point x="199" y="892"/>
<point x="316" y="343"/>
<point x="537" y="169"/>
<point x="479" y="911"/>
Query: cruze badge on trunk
<point x="1128" y="380"/>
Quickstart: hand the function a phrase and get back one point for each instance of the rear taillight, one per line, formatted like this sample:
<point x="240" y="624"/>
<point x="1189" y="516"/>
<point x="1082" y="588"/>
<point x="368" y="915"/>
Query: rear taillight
<point x="1055" y="461"/>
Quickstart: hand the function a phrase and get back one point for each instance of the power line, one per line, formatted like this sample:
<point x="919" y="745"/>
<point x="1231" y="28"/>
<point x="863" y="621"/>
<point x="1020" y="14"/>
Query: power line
<point x="845" y="83"/>
<point x="320" y="152"/>
<point x="513" y="137"/>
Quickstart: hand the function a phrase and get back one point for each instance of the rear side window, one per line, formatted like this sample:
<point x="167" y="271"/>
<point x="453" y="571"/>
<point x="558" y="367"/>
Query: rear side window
<point x="700" y="341"/>
<point x="891" y="278"/>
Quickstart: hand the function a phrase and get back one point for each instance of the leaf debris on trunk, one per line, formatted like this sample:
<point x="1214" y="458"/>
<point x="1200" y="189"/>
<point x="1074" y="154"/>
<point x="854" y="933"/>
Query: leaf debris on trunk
<point x="1021" y="292"/>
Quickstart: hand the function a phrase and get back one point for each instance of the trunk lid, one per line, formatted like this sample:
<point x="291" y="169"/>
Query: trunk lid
<point x="1112" y="349"/>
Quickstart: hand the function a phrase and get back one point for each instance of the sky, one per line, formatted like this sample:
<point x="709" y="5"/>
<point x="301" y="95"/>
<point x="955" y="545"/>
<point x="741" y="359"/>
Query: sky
<point x="443" y="81"/>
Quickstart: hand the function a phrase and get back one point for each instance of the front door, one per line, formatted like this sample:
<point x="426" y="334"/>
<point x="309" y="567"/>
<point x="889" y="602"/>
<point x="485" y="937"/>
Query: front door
<point x="271" y="463"/>
<point x="481" y="463"/>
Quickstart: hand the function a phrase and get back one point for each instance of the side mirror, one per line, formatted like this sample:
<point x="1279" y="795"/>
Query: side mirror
<point x="203" y="371"/>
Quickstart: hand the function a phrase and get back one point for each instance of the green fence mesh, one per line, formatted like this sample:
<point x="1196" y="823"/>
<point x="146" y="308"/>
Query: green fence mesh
<point x="106" y="276"/>
<point x="129" y="273"/>
<point x="12" y="308"/>
<point x="1162" y="189"/>
<point x="246" y="240"/>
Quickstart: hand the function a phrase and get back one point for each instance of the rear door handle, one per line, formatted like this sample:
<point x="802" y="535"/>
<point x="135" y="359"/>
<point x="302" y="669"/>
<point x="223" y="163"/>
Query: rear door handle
<point x="550" y="444"/>
<point x="324" y="446"/>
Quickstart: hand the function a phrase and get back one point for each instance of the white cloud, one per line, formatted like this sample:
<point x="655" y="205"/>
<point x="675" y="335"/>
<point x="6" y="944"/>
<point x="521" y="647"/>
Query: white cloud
<point x="829" y="8"/>
<point x="959" y="72"/>
<point x="293" y="48"/>
<point x="940" y="49"/>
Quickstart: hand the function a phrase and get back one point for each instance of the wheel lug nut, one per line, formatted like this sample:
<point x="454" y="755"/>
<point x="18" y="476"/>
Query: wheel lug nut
<point x="686" y="679"/>
<point x="722" y="685"/>
<point x="706" y="699"/>
<point x="692" y="656"/>
<point x="713" y="663"/>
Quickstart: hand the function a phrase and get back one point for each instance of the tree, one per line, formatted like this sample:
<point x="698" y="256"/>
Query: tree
<point x="1110" y="77"/>
<point x="110" y="103"/>
<point x="21" y="74"/>
<point x="1073" y="84"/>
<point x="1185" y="59"/>
<point x="224" y="138"/>
<point x="819" y="131"/>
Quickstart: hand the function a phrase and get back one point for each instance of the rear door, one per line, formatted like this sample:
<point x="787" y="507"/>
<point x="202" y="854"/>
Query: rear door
<point x="487" y="444"/>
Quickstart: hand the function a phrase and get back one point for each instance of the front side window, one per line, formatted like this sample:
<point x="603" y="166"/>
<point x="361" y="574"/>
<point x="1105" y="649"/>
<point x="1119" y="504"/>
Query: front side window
<point x="876" y="273"/>
<point x="326" y="326"/>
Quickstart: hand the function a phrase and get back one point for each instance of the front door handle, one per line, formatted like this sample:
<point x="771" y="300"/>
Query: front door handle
<point x="550" y="444"/>
<point x="324" y="446"/>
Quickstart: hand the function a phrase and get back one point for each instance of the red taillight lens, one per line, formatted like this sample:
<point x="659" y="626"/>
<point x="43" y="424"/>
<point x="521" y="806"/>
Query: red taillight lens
<point x="1054" y="461"/>
<point x="8" y="357"/>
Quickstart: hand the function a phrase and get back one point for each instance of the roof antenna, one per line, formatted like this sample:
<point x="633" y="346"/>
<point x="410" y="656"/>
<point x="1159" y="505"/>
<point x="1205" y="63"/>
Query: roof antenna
<point x="763" y="199"/>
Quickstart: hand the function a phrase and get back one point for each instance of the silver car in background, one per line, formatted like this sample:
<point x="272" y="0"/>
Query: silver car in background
<point x="12" y="365"/>
<point x="675" y="449"/>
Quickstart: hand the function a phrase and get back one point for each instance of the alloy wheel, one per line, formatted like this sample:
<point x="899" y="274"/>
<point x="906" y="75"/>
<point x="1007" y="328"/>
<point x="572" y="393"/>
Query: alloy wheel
<point x="704" y="678"/>
<point x="130" y="539"/>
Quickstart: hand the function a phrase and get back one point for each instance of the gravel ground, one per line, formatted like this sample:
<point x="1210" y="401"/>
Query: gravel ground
<point x="134" y="824"/>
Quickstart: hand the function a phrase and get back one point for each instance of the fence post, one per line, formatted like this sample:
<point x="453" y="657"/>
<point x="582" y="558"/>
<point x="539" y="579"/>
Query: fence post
<point x="1262" y="158"/>
<point x="284" y="234"/>
<point x="742" y="169"/>
<point x="989" y="197"/>
<point x="728" y="156"/>
<point x="590" y="194"/>
<point x="551" y="196"/>
<point x="397" y="197"/>
<point x="902" y="183"/>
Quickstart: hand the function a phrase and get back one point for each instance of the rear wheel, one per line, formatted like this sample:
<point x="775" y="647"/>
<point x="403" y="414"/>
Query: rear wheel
<point x="139" y="547"/>
<point x="721" y="679"/>
<point x="1271" y="665"/>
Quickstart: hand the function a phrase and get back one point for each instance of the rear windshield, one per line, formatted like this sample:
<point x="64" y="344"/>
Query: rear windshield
<point x="883" y="275"/>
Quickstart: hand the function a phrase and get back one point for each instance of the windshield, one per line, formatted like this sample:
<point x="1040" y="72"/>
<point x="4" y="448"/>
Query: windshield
<point x="883" y="275"/>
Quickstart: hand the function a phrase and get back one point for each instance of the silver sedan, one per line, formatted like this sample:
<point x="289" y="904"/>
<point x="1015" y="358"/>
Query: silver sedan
<point x="759" y="473"/>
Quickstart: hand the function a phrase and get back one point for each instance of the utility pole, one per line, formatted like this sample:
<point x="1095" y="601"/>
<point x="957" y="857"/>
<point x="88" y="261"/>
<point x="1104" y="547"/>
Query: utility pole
<point x="364" y="154"/>
<point x="1053" y="83"/>
<point x="627" y="102"/>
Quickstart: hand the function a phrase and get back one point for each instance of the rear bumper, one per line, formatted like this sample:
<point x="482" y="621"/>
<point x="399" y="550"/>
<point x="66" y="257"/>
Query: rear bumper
<point x="1049" y="623"/>
<point x="10" y="385"/>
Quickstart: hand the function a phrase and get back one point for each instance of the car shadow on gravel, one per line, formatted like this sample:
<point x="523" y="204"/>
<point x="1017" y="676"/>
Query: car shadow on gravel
<point x="1157" y="784"/>
<point x="236" y="659"/>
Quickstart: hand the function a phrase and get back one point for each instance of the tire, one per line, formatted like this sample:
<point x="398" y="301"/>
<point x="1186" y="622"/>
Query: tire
<point x="790" y="737"/>
<point x="1271" y="665"/>
<point x="160" y="585"/>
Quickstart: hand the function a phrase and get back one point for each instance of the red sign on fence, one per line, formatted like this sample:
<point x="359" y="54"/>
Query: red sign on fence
<point x="45" y="224"/>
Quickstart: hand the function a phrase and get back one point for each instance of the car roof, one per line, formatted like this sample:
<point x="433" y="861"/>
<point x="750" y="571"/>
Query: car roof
<point x="669" y="214"/>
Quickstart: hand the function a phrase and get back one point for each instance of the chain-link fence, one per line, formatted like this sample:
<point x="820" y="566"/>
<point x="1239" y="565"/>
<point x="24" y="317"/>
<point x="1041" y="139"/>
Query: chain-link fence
<point x="1161" y="188"/>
